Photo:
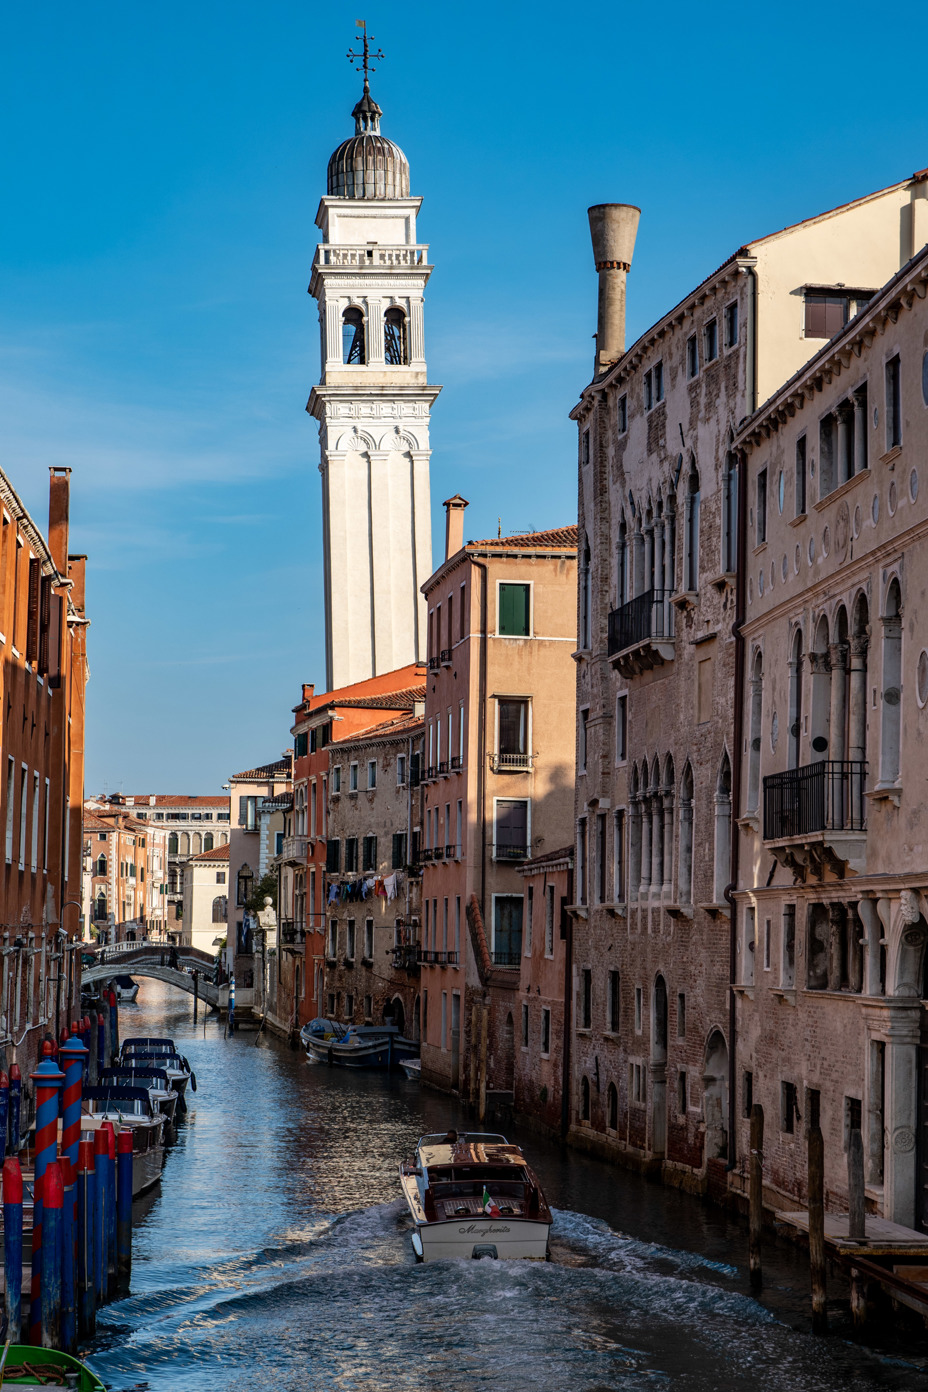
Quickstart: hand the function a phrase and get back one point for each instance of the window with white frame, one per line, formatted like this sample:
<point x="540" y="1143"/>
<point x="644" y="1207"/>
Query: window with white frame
<point x="352" y="778"/>
<point x="372" y="773"/>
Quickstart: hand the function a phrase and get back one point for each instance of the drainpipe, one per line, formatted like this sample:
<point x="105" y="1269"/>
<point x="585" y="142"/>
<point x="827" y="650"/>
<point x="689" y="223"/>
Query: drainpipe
<point x="482" y="739"/>
<point x="737" y="744"/>
<point x="568" y="998"/>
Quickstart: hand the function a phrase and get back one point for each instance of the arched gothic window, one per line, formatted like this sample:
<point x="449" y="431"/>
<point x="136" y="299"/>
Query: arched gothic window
<point x="208" y="841"/>
<point x="586" y="600"/>
<point x="395" y="338"/>
<point x="220" y="912"/>
<point x="172" y="843"/>
<point x="101" y="865"/>
<point x="754" y="736"/>
<point x="691" y="559"/>
<point x="100" y="907"/>
<point x="723" y="829"/>
<point x="892" y="687"/>
<point x="730" y="513"/>
<point x="353" y="345"/>
<point x="685" y="870"/>
<point x="795" y="700"/>
<point x="197" y="843"/>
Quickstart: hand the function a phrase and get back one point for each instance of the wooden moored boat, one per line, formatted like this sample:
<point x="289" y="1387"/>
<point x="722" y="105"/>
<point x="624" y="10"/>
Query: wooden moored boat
<point x="474" y="1195"/>
<point x="362" y="1046"/>
<point x="25" y="1366"/>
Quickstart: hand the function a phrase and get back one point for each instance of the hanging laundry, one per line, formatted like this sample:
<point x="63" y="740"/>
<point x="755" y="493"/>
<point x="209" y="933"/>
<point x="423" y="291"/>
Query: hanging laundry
<point x="333" y="894"/>
<point x="391" y="888"/>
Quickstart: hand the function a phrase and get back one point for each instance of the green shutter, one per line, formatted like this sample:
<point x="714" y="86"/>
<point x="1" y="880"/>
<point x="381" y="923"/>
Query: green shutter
<point x="513" y="611"/>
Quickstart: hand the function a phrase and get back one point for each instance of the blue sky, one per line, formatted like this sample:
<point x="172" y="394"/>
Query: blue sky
<point x="162" y="166"/>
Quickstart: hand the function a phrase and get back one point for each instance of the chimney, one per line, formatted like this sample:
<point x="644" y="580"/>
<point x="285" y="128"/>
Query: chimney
<point x="59" y="491"/>
<point x="77" y="571"/>
<point x="454" y="524"/>
<point x="612" y="227"/>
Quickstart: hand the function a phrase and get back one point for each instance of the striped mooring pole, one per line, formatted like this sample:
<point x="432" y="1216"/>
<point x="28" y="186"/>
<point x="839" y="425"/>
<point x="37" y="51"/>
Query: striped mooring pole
<point x="102" y="1060"/>
<point x="52" y="1205"/>
<point x="47" y="1080"/>
<point x="109" y="1131"/>
<point x="124" y="1205"/>
<point x="68" y="1336"/>
<point x="13" y="1247"/>
<point x="16" y="1101"/>
<point x="4" y="1112"/>
<point x="72" y="1058"/>
<point x="101" y="1159"/>
<point x="86" y="1285"/>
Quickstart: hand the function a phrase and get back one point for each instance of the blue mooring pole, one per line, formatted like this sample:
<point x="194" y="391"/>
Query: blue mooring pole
<point x="4" y="1113"/>
<point x="124" y="1206"/>
<point x="13" y="1247"/>
<point x="101" y="1151"/>
<point x="110" y="1132"/>
<point x="86" y="1285"/>
<point x="52" y="1206"/>
<point x="69" y="1258"/>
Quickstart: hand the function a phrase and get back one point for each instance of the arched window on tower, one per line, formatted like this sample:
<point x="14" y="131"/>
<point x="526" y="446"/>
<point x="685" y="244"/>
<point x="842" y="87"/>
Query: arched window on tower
<point x="691" y="557"/>
<point x="395" y="338"/>
<point x="353" y="346"/>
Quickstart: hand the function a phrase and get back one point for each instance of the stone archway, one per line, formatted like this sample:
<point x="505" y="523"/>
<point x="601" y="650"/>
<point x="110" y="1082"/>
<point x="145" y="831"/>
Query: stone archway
<point x="715" y="1082"/>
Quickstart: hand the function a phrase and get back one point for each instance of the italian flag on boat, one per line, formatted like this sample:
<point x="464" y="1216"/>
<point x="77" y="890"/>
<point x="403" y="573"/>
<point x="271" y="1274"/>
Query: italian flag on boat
<point x="489" y="1205"/>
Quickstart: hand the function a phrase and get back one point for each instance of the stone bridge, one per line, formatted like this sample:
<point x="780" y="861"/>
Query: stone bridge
<point x="154" y="961"/>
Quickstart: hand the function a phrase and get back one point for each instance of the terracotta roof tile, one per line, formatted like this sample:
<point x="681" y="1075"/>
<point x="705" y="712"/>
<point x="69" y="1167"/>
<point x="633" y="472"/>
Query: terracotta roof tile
<point x="557" y="538"/>
<point x="217" y="853"/>
<point x="390" y="700"/>
<point x="279" y="768"/>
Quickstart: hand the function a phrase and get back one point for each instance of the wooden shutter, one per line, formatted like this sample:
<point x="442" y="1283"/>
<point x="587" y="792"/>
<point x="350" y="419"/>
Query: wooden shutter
<point x="32" y="615"/>
<point x="45" y="615"/>
<point x="513" y="610"/>
<point x="55" y="636"/>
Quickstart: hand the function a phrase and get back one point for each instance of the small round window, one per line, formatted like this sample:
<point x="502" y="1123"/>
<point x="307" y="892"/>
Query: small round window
<point x="826" y="542"/>
<point x="925" y="379"/>
<point x="811" y="549"/>
<point x="913" y="485"/>
<point x="921" y="678"/>
<point x="781" y="491"/>
<point x="875" y="508"/>
<point x="892" y="498"/>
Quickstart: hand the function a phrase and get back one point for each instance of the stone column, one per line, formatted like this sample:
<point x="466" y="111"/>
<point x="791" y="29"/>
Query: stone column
<point x="873" y="931"/>
<point x="637" y="575"/>
<point x="836" y="920"/>
<point x="821" y="675"/>
<point x="900" y="1110"/>
<point x="857" y="743"/>
<point x="685" y="869"/>
<point x="668" y="842"/>
<point x="855" y="956"/>
<point x="634" y="846"/>
<point x="648" y="558"/>
<point x="837" y="656"/>
<point x="860" y="430"/>
<point x="374" y="326"/>
<point x="644" y="884"/>
<point x="657" y="841"/>
<point x="416" y="331"/>
<point x="845" y="415"/>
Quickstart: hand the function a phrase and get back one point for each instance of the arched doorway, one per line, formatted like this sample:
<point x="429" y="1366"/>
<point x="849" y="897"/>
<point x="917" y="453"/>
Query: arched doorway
<point x="715" y="1081"/>
<point x="395" y="1008"/>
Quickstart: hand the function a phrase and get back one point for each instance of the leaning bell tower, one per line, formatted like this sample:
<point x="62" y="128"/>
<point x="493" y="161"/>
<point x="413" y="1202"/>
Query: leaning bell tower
<point x="372" y="403"/>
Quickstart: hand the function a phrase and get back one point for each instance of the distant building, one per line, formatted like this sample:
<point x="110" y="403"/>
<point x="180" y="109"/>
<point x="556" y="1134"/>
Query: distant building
<point x="252" y="848"/>
<point x="125" y="864"/>
<point x="206" y="900"/>
<point x="499" y="776"/>
<point x="542" y="1054"/>
<point x="193" y="824"/>
<point x="831" y="947"/>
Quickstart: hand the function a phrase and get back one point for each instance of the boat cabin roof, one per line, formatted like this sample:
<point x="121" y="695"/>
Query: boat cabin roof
<point x="469" y="1150"/>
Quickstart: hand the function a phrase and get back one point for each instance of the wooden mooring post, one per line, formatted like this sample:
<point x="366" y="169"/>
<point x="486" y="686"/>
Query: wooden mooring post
<point x="857" y="1221"/>
<point x="756" y="1197"/>
<point x="196" y="977"/>
<point x="817" y="1229"/>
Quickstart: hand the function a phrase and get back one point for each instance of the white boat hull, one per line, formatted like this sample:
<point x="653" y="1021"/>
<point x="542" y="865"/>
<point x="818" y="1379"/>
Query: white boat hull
<point x="513" y="1239"/>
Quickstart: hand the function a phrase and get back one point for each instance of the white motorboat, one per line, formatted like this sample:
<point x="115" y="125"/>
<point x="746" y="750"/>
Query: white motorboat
<point x="153" y="1052"/>
<point x="474" y="1195"/>
<point x="154" y="1080"/>
<point x="412" y="1068"/>
<point x="126" y="990"/>
<point x="129" y="1107"/>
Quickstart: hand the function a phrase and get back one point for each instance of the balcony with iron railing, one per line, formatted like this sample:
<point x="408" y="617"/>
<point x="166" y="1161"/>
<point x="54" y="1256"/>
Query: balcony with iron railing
<point x="641" y="632"/>
<point x="506" y="958"/>
<point x="406" y="957"/>
<point x="510" y="852"/>
<point x="821" y="804"/>
<point x="456" y="762"/>
<point x="434" y="664"/>
<point x="446" y="657"/>
<point x="294" y="850"/>
<point x="429" y="957"/>
<point x="511" y="763"/>
<point x="292" y="931"/>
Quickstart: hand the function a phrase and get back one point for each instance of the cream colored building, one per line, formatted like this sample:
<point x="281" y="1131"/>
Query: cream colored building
<point x="659" y="488"/>
<point x="206" y="900"/>
<point x="832" y="899"/>
<point x="253" y="845"/>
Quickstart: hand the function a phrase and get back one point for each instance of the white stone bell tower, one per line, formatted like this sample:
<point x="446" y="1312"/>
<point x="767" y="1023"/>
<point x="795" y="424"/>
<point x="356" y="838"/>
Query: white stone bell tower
<point x="372" y="404"/>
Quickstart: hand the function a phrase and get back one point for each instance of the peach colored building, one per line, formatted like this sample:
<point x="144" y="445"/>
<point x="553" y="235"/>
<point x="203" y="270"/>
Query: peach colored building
<point x="499" y="773"/>
<point x="542" y="1057"/>
<point x="126" y="863"/>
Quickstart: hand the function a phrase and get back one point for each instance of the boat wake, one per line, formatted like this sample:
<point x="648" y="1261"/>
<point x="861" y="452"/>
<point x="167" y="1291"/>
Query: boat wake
<point x="340" y="1304"/>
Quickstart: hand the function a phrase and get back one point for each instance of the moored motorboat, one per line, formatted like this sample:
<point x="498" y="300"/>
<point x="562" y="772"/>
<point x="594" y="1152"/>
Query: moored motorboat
<point x="474" y="1195"/>
<point x="154" y="1080"/>
<point x="363" y="1046"/>
<point x="412" y="1068"/>
<point x="132" y="1108"/>
<point x="126" y="989"/>
<point x="160" y="1053"/>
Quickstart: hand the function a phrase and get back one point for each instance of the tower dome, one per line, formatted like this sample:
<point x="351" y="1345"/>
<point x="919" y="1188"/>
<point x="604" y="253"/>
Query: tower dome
<point x="368" y="165"/>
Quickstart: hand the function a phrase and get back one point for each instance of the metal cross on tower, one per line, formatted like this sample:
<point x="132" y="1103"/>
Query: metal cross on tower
<point x="364" y="61"/>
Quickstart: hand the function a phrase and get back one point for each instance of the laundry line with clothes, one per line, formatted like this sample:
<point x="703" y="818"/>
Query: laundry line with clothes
<point x="386" y="888"/>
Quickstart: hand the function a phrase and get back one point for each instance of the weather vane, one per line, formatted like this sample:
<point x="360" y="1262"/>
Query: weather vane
<point x="364" y="61"/>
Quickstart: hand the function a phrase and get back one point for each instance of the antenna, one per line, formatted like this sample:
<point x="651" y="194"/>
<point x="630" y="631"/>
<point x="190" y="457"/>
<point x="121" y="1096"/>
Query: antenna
<point x="365" y="60"/>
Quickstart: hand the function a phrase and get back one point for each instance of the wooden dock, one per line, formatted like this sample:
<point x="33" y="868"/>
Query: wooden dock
<point x="893" y="1256"/>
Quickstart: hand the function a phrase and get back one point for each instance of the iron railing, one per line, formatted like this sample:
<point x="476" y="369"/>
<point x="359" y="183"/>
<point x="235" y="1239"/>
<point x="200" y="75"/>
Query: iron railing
<point x="430" y="958"/>
<point x="511" y="763"/>
<point x="826" y="796"/>
<point x="406" y="957"/>
<point x="434" y="664"/>
<point x="648" y="615"/>
<point x="510" y="852"/>
<point x="446" y="657"/>
<point x="456" y="761"/>
<point x="451" y="852"/>
<point x="506" y="959"/>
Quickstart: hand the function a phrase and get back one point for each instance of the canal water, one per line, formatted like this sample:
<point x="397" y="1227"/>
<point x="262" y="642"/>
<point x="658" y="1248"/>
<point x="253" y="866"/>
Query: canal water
<point x="275" y="1257"/>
